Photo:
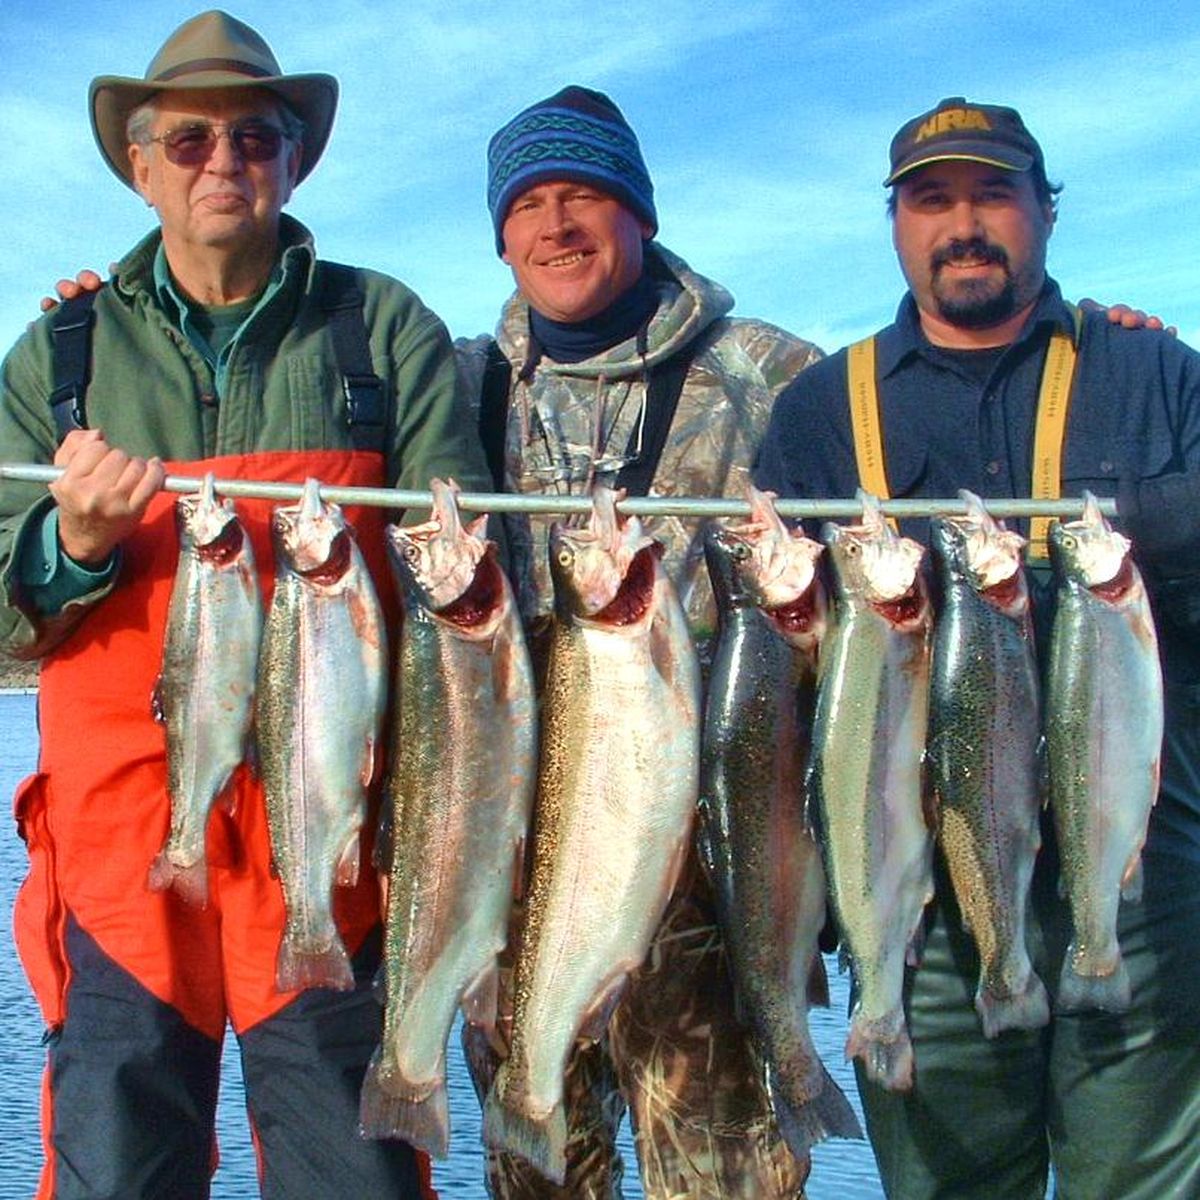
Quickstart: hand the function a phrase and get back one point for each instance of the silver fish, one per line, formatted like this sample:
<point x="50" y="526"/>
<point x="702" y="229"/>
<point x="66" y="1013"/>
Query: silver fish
<point x="617" y="790"/>
<point x="1104" y="728"/>
<point x="984" y="766"/>
<point x="322" y="689"/>
<point x="461" y="789"/>
<point x="766" y="867"/>
<point x="205" y="693"/>
<point x="865" y="776"/>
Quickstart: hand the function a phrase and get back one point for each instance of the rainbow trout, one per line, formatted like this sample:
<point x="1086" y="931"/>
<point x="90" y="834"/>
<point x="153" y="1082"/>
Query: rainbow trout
<point x="617" y="788"/>
<point x="983" y="756"/>
<point x="865" y="776"/>
<point x="765" y="865"/>
<point x="461" y="789"/>
<point x="1104" y="727"/>
<point x="205" y="694"/>
<point x="322" y="684"/>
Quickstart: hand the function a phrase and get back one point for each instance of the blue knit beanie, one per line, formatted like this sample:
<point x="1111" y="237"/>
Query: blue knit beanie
<point x="577" y="135"/>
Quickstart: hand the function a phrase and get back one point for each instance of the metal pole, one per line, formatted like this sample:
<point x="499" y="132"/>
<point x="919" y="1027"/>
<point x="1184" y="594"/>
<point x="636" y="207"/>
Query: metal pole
<point x="643" y="506"/>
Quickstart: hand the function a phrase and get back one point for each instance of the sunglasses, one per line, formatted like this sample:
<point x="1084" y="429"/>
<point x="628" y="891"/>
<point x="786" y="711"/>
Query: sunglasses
<point x="193" y="145"/>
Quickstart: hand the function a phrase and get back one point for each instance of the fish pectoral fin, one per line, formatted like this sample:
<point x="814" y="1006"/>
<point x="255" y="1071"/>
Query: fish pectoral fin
<point x="481" y="1000"/>
<point x="504" y="665"/>
<point x="346" y="873"/>
<point x="662" y="649"/>
<point x="595" y="1020"/>
<point x="366" y="771"/>
<point x="1132" y="877"/>
<point x="520" y="876"/>
<point x="157" y="708"/>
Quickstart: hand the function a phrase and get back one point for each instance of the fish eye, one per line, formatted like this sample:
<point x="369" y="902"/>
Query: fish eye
<point x="741" y="551"/>
<point x="564" y="557"/>
<point x="853" y="549"/>
<point x="410" y="553"/>
<point x="1069" y="541"/>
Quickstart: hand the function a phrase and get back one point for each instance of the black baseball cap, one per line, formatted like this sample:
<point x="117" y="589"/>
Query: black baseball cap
<point x="960" y="129"/>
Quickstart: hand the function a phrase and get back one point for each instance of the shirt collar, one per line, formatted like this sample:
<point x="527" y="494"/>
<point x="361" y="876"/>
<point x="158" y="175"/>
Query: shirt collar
<point x="904" y="337"/>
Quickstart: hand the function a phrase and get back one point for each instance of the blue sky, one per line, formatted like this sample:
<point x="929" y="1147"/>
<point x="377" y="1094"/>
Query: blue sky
<point x="765" y="125"/>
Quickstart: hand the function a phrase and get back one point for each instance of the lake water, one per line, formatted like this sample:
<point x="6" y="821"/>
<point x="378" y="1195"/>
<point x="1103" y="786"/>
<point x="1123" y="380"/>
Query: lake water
<point x="842" y="1170"/>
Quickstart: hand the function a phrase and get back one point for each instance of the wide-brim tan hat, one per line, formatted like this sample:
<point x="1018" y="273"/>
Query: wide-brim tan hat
<point x="211" y="51"/>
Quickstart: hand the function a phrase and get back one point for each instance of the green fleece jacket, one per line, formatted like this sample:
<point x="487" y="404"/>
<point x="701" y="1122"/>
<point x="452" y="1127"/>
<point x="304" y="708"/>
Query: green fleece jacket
<point x="153" y="393"/>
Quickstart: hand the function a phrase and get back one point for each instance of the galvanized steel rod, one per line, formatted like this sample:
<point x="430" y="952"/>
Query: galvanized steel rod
<point x="644" y="506"/>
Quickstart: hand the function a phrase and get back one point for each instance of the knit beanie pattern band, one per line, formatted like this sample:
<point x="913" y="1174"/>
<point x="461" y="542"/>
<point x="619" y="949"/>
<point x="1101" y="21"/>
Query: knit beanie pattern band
<point x="577" y="135"/>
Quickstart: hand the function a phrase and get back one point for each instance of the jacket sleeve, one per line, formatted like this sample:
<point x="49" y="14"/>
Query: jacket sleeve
<point x="1162" y="514"/>
<point x="27" y="435"/>
<point x="435" y="431"/>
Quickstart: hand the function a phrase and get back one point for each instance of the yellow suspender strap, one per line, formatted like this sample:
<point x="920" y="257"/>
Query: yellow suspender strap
<point x="1054" y="399"/>
<point x="864" y="419"/>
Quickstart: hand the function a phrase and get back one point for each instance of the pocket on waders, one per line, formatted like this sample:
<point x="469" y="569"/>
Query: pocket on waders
<point x="38" y="913"/>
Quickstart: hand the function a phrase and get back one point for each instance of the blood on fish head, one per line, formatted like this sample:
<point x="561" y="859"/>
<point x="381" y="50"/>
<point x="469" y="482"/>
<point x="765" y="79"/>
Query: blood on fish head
<point x="1090" y="551"/>
<point x="440" y="558"/>
<point x="604" y="571"/>
<point x="312" y="536"/>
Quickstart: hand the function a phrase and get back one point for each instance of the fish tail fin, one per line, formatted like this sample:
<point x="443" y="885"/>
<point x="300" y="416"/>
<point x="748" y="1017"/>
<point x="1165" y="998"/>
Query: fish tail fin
<point x="423" y="1122"/>
<point x="300" y="966"/>
<point x="1077" y="992"/>
<point x="541" y="1141"/>
<point x="885" y="1050"/>
<point x="1027" y="1009"/>
<point x="191" y="882"/>
<point x="827" y="1114"/>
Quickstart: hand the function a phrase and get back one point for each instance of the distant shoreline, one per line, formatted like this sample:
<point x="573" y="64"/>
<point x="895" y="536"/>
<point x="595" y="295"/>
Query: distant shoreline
<point x="17" y="676"/>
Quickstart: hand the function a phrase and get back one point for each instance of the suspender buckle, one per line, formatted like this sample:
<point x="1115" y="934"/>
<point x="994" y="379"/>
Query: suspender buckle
<point x="74" y="417"/>
<point x="364" y="407"/>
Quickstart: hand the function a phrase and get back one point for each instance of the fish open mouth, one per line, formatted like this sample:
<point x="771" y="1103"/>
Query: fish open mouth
<point x="482" y="597"/>
<point x="225" y="547"/>
<point x="633" y="598"/>
<point x="796" y="616"/>
<point x="1006" y="592"/>
<point x="903" y="609"/>
<point x="336" y="562"/>
<point x="1114" y="589"/>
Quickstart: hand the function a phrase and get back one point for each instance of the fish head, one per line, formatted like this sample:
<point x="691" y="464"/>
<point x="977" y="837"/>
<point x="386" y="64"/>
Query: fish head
<point x="772" y="564"/>
<point x="977" y="548"/>
<point x="209" y="527"/>
<point x="441" y="562"/>
<point x="312" y="538"/>
<point x="874" y="566"/>
<point x="604" y="571"/>
<point x="1089" y="551"/>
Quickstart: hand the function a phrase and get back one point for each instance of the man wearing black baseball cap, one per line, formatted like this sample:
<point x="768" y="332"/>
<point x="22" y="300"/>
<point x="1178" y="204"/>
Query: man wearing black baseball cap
<point x="989" y="381"/>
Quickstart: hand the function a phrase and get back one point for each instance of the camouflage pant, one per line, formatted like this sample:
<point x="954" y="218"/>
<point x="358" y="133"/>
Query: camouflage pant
<point x="675" y="1052"/>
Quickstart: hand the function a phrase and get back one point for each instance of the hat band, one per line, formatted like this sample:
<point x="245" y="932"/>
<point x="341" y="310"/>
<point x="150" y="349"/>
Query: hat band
<point x="211" y="64"/>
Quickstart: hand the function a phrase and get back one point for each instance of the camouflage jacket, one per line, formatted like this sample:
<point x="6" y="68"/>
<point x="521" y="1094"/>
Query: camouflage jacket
<point x="571" y="423"/>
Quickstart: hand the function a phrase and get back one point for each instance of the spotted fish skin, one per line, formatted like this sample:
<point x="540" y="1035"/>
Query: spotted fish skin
<point x="322" y="690"/>
<point x="766" y="867"/>
<point x="205" y="692"/>
<point x="865" y="778"/>
<point x="617" y="790"/>
<point x="984" y="763"/>
<point x="460" y="786"/>
<point x="1104" y="728"/>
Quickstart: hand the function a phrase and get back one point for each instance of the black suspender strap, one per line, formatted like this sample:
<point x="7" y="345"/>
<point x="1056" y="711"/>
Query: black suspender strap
<point x="71" y="350"/>
<point x="366" y="406"/>
<point x="663" y="390"/>
<point x="493" y="411"/>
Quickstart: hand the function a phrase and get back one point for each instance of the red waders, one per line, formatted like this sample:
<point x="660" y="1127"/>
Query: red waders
<point x="136" y="986"/>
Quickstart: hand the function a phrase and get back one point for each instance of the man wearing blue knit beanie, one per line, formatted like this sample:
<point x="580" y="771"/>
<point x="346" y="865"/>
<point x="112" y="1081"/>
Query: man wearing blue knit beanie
<point x="615" y="363"/>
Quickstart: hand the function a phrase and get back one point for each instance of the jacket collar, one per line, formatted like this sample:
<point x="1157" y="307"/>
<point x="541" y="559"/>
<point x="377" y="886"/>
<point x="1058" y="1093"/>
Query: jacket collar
<point x="898" y="341"/>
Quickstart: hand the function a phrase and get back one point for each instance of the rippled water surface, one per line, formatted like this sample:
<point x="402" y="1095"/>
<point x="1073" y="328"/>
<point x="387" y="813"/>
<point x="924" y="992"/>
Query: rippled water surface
<point x="841" y="1170"/>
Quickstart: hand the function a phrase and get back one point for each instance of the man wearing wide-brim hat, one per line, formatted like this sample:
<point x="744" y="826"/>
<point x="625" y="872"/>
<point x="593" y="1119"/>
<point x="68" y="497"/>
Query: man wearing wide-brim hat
<point x="220" y="344"/>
